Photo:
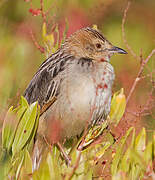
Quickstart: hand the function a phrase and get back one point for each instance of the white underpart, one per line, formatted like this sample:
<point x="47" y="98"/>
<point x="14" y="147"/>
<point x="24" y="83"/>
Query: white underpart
<point x="85" y="95"/>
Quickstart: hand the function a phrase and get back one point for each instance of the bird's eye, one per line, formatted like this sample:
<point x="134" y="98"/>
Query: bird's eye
<point x="98" y="45"/>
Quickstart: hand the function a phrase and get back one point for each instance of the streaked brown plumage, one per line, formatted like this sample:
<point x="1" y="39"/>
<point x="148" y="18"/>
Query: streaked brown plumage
<point x="73" y="86"/>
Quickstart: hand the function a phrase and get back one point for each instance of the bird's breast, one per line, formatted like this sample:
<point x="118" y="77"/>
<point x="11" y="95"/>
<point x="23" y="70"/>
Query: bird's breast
<point x="86" y="94"/>
<point x="85" y="97"/>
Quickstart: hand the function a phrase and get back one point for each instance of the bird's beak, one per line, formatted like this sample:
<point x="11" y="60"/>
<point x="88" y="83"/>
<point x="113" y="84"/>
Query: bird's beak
<point x="115" y="49"/>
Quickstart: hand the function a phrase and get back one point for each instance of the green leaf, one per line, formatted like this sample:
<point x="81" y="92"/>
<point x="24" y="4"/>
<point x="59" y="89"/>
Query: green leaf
<point x="30" y="145"/>
<point x="126" y="159"/>
<point x="43" y="173"/>
<point x="28" y="162"/>
<point x="119" y="152"/>
<point x="118" y="176"/>
<point x="65" y="31"/>
<point x="36" y="124"/>
<point x="154" y="144"/>
<point x="101" y="149"/>
<point x="125" y="162"/>
<point x="26" y="170"/>
<point x="95" y="27"/>
<point x="44" y="31"/>
<point x="118" y="105"/>
<point x="92" y="134"/>
<point x="148" y="153"/>
<point x="137" y="159"/>
<point x="58" y="36"/>
<point x="133" y="139"/>
<point x="11" y="122"/>
<point x="54" y="166"/>
<point x="25" y="128"/>
<point x="9" y="127"/>
<point x="19" y="166"/>
<point x="135" y="172"/>
<point x="140" y="142"/>
<point x="23" y="102"/>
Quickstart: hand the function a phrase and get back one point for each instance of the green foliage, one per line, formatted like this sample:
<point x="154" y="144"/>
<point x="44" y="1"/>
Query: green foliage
<point x="17" y="133"/>
<point x="25" y="128"/>
<point x="11" y="121"/>
<point x="52" y="43"/>
<point x="19" y="128"/>
<point x="118" y="105"/>
<point x="118" y="154"/>
<point x="135" y="161"/>
<point x="131" y="161"/>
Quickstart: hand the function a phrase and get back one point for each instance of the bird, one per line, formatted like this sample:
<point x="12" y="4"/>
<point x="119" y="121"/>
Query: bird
<point x="74" y="86"/>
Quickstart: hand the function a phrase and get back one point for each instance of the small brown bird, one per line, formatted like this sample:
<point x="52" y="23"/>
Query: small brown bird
<point x="73" y="86"/>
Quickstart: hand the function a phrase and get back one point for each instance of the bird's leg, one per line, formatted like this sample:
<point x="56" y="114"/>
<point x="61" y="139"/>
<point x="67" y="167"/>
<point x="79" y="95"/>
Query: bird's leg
<point x="65" y="155"/>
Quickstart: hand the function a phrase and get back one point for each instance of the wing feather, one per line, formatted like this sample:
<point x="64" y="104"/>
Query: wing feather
<point x="45" y="85"/>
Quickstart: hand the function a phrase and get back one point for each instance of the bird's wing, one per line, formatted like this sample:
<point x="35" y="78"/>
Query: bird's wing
<point x="45" y="85"/>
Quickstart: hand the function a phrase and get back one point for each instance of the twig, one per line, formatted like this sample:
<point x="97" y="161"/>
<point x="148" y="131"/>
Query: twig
<point x="65" y="155"/>
<point x="75" y="166"/>
<point x="42" y="11"/>
<point x="139" y="74"/>
<point x="140" y="58"/>
<point x="123" y="31"/>
<point x="41" y="49"/>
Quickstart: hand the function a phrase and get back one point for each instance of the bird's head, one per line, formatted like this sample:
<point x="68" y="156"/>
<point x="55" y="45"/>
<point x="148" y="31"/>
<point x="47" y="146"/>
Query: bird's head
<point x="90" y="43"/>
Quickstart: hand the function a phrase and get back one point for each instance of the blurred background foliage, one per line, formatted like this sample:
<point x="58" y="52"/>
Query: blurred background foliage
<point x="20" y="59"/>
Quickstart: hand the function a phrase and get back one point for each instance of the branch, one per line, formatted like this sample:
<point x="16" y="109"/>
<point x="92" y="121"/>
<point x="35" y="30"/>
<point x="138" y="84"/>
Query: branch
<point x="140" y="58"/>
<point x="144" y="62"/>
<point x="41" y="49"/>
<point x="42" y="11"/>
<point x="75" y="166"/>
<point x="123" y="32"/>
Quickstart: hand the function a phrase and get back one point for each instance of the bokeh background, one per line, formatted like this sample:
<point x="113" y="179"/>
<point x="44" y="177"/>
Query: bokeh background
<point x="20" y="59"/>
